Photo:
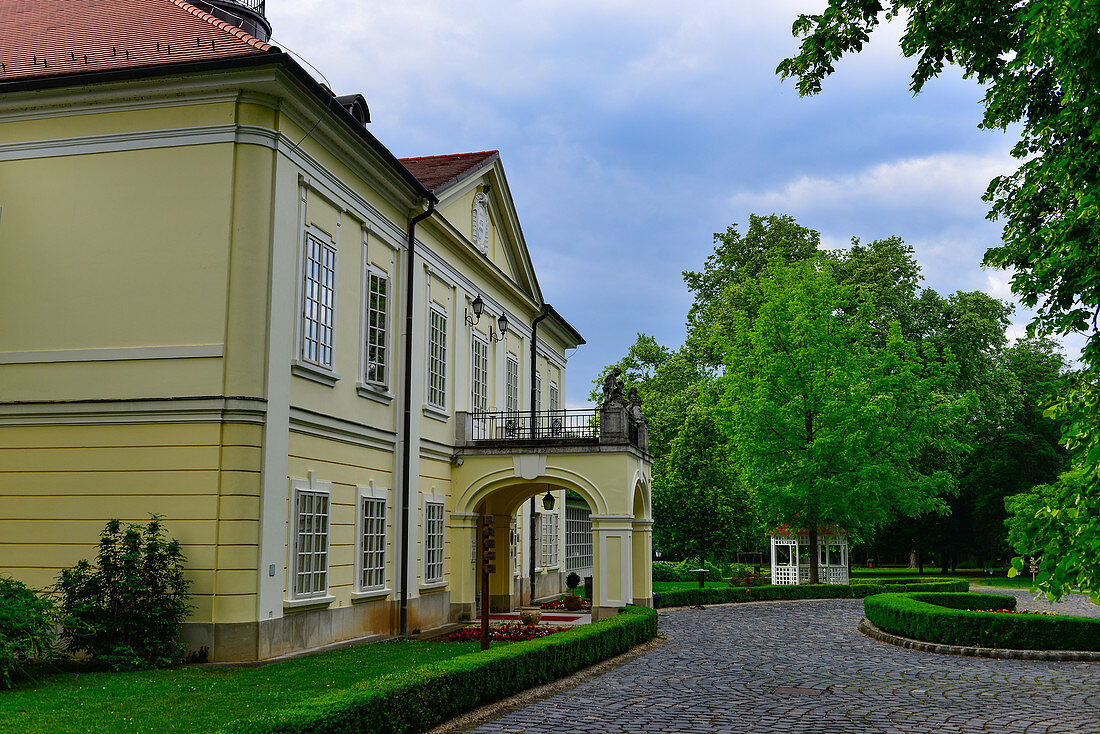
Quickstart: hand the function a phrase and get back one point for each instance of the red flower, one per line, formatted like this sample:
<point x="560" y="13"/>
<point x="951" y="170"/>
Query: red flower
<point x="512" y="632"/>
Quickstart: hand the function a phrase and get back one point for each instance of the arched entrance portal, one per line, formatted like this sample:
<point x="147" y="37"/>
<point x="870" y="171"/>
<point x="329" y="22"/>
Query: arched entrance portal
<point x="617" y="496"/>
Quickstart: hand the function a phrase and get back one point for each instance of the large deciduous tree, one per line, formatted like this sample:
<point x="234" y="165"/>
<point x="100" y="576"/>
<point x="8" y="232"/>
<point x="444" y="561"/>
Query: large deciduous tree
<point x="1039" y="61"/>
<point x="829" y="419"/>
<point x="701" y="506"/>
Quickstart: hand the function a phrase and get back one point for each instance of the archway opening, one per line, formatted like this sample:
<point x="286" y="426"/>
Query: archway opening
<point x="538" y="543"/>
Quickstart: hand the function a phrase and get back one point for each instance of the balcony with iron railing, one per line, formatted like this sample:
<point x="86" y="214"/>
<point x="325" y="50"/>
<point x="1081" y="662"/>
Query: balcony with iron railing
<point x="550" y="429"/>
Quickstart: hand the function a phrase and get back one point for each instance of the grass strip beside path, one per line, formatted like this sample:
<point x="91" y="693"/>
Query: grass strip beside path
<point x="193" y="699"/>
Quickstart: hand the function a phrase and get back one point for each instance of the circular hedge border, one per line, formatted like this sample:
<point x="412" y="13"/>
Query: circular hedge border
<point x="971" y="621"/>
<point x="976" y="652"/>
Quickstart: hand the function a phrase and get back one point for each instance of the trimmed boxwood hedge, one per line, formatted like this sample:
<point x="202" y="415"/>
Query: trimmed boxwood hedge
<point x="420" y="698"/>
<point x="728" y="595"/>
<point x="960" y="619"/>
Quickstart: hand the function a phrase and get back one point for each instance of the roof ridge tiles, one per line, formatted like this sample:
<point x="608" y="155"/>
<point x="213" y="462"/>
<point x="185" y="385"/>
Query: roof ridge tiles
<point x="448" y="155"/>
<point x="246" y="37"/>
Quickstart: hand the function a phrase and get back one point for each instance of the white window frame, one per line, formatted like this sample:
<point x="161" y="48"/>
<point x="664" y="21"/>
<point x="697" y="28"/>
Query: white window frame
<point x="435" y="310"/>
<point x="549" y="536"/>
<point x="320" y="492"/>
<point x="479" y="401"/>
<point x="538" y="392"/>
<point x="311" y="235"/>
<point x="372" y="272"/>
<point x="555" y="397"/>
<point x="433" y="523"/>
<point x="371" y="495"/>
<point x="515" y="540"/>
<point x="578" y="538"/>
<point x="511" y="384"/>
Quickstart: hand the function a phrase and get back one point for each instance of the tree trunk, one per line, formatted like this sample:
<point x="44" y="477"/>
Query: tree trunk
<point x="920" y="563"/>
<point x="813" y="554"/>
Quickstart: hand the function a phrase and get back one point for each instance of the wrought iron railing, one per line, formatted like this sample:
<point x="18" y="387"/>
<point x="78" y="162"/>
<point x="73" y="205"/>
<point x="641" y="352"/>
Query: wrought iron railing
<point x="548" y="425"/>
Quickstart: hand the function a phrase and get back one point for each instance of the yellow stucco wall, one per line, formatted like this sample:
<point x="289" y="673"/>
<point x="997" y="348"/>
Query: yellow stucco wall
<point x="346" y="466"/>
<point x="59" y="484"/>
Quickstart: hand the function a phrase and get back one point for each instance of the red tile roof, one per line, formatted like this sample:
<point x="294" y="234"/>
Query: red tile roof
<point x="436" y="171"/>
<point x="44" y="38"/>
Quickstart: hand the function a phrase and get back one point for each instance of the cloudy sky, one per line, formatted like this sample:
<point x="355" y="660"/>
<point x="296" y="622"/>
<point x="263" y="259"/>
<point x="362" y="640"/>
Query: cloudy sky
<point x="630" y="132"/>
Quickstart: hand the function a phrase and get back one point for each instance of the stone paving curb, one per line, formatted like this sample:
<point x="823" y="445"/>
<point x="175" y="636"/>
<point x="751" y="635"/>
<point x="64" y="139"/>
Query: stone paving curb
<point x="490" y="711"/>
<point x="875" y="633"/>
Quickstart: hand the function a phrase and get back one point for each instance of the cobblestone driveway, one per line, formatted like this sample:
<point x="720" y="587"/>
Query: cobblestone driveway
<point x="723" y="664"/>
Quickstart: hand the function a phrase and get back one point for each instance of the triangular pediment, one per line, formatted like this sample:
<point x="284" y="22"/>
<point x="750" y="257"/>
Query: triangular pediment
<point x="474" y="199"/>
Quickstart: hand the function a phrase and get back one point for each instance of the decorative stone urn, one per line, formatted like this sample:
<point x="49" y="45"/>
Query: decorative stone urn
<point x="530" y="616"/>
<point x="573" y="603"/>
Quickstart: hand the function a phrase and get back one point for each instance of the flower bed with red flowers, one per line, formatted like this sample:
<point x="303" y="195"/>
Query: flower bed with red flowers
<point x="504" y="633"/>
<point x="559" y="604"/>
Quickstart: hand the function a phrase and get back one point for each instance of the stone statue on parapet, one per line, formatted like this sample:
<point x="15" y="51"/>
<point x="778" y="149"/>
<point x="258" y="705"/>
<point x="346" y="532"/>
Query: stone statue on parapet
<point x="635" y="406"/>
<point x="613" y="389"/>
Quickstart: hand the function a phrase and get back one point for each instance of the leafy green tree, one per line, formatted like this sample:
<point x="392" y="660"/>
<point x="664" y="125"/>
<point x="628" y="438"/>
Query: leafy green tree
<point x="729" y="272"/>
<point x="829" y="424"/>
<point x="1039" y="61"/>
<point x="1010" y="456"/>
<point x="1060" y="522"/>
<point x="885" y="272"/>
<point x="701" y="509"/>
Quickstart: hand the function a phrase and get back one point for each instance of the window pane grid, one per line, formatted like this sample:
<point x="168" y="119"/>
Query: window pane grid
<point x="553" y="396"/>
<point x="578" y="538"/>
<point x="319" y="302"/>
<point x="377" y="305"/>
<point x="549" y="523"/>
<point x="479" y="389"/>
<point x="437" y="359"/>
<point x="511" y="385"/>
<point x="538" y="392"/>
<point x="433" y="542"/>
<point x="311" y="558"/>
<point x="374" y="544"/>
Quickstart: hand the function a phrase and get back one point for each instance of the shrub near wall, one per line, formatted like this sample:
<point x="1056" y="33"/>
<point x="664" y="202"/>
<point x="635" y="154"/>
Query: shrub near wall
<point x="681" y="597"/>
<point x="418" y="699"/>
<point x="964" y="619"/>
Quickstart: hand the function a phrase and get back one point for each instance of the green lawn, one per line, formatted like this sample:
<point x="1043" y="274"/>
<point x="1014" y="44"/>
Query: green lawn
<point x="192" y="699"/>
<point x="663" y="586"/>
<point x="976" y="577"/>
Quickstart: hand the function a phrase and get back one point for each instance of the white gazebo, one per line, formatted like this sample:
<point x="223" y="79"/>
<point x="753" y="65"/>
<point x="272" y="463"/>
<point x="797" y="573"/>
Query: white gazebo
<point x="791" y="555"/>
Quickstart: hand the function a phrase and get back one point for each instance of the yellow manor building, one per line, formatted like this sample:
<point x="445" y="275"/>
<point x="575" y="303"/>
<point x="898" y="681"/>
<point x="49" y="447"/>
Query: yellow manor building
<point x="224" y="301"/>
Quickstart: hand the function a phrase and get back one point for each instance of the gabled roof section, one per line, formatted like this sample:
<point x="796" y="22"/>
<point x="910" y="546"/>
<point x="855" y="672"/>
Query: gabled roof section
<point x="439" y="172"/>
<point x="48" y="38"/>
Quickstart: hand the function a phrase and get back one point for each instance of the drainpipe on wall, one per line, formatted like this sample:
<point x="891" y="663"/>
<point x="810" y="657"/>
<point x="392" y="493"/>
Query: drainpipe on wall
<point x="406" y="426"/>
<point x="534" y="418"/>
